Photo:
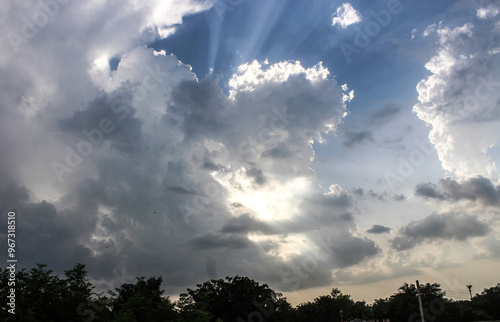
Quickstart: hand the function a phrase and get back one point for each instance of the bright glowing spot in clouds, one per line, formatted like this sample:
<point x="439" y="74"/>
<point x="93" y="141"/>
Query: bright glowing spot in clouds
<point x="286" y="247"/>
<point x="272" y="201"/>
<point x="99" y="71"/>
<point x="102" y="63"/>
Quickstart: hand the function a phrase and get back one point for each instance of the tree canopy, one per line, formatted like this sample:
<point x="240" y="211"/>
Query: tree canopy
<point x="44" y="296"/>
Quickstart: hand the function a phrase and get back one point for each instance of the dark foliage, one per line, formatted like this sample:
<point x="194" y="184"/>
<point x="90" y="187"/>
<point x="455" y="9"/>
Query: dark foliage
<point x="43" y="296"/>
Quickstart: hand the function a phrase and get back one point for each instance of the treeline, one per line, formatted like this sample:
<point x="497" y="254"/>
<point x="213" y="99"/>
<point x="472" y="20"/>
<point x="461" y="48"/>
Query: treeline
<point x="42" y="296"/>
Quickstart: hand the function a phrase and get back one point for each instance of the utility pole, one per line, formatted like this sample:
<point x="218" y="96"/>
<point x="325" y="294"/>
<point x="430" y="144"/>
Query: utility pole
<point x="420" y="302"/>
<point x="470" y="291"/>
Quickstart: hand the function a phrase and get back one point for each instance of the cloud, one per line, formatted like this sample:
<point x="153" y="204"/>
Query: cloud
<point x="379" y="229"/>
<point x="42" y="223"/>
<point x="487" y="12"/>
<point x="212" y="240"/>
<point x="245" y="224"/>
<point x="257" y="175"/>
<point x="126" y="129"/>
<point x="345" y="15"/>
<point x="382" y="196"/>
<point x="473" y="189"/>
<point x="429" y="190"/>
<point x="383" y="115"/>
<point x="353" y="138"/>
<point x="116" y="28"/>
<point x="430" y="29"/>
<point x="353" y="250"/>
<point x="446" y="226"/>
<point x="399" y="197"/>
<point x="181" y="170"/>
<point x="358" y="192"/>
<point x="459" y="99"/>
<point x="491" y="248"/>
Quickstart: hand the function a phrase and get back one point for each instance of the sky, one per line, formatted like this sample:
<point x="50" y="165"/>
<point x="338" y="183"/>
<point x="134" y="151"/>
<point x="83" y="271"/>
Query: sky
<point x="304" y="144"/>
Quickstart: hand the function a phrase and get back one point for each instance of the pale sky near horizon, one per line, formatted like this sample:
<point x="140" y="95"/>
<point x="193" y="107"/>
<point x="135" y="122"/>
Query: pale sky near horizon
<point x="304" y="144"/>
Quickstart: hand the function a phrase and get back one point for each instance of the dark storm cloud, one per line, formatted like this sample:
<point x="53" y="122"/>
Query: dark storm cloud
<point x="215" y="240"/>
<point x="12" y="195"/>
<point x="246" y="224"/>
<point x="257" y="175"/>
<point x="474" y="189"/>
<point x="448" y="226"/>
<point x="200" y="106"/>
<point x="211" y="268"/>
<point x="379" y="229"/>
<point x="178" y="189"/>
<point x="352" y="250"/>
<point x="114" y="110"/>
<point x="40" y="226"/>
<point x="477" y="188"/>
<point x="429" y="190"/>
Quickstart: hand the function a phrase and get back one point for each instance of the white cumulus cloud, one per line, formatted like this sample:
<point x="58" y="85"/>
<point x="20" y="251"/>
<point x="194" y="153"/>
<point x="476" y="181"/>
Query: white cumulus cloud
<point x="346" y="15"/>
<point x="459" y="99"/>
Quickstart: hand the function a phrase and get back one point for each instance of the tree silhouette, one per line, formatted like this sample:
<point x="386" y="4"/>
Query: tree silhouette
<point x="142" y="301"/>
<point x="327" y="308"/>
<point x="232" y="299"/>
<point x="43" y="296"/>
